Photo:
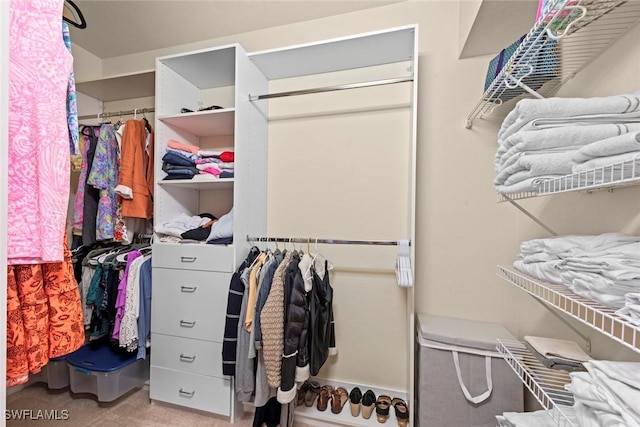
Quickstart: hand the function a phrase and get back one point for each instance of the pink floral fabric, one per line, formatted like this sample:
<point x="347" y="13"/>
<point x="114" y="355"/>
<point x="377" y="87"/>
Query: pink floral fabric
<point x="39" y="70"/>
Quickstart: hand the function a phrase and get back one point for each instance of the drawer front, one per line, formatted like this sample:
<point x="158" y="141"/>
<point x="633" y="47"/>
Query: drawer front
<point x="193" y="257"/>
<point x="194" y="391"/>
<point x="188" y="355"/>
<point x="189" y="287"/>
<point x="199" y="321"/>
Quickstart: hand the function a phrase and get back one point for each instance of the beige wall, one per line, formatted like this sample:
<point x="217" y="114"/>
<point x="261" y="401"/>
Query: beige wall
<point x="462" y="233"/>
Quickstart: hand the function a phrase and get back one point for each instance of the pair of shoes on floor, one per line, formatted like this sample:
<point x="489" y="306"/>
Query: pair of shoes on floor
<point x="384" y="403"/>
<point x="327" y="396"/>
<point x="307" y="393"/>
<point x="366" y="402"/>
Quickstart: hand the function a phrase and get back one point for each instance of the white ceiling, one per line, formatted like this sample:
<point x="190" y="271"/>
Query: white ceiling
<point x="120" y="27"/>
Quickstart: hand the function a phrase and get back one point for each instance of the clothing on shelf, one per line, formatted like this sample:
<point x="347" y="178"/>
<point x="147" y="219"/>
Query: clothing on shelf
<point x="528" y="419"/>
<point x="183" y="161"/>
<point x="557" y="354"/>
<point x="603" y="268"/>
<point x="631" y="309"/>
<point x="38" y="131"/>
<point x="269" y="337"/>
<point x="204" y="227"/>
<point x="549" y="138"/>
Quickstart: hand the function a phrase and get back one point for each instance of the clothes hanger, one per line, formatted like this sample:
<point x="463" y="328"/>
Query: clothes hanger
<point x="71" y="14"/>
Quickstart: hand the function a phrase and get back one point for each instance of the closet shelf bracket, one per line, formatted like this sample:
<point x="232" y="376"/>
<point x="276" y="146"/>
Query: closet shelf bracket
<point x="332" y="88"/>
<point x="530" y="215"/>
<point x="585" y="338"/>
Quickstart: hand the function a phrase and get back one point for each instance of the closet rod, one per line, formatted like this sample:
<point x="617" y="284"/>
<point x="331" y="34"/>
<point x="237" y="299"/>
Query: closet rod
<point x="327" y="241"/>
<point x="118" y="113"/>
<point x="332" y="88"/>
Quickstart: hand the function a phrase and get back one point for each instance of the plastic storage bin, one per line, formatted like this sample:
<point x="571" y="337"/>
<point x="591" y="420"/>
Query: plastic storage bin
<point x="55" y="373"/>
<point x="101" y="371"/>
<point x="462" y="379"/>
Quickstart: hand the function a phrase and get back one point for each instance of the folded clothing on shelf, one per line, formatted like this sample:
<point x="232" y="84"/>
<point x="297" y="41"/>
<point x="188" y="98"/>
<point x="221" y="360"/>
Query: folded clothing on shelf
<point x="557" y="354"/>
<point x="528" y="419"/>
<point x="631" y="309"/>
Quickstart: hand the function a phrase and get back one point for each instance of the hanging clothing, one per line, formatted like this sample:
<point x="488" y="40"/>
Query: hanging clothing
<point x="144" y="307"/>
<point x="104" y="177"/>
<point x="322" y="333"/>
<point x="17" y="364"/>
<point x="91" y="194"/>
<point x="132" y="183"/>
<point x="38" y="146"/>
<point x="122" y="291"/>
<point x="72" y="106"/>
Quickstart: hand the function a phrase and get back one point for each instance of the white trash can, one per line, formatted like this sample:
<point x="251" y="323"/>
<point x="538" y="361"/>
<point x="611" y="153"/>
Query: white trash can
<point x="462" y="379"/>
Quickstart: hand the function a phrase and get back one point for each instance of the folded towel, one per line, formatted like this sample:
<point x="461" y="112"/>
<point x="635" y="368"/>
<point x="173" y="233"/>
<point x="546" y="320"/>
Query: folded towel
<point x="556" y="137"/>
<point x="617" y="378"/>
<point x="530" y="419"/>
<point x="534" y="165"/>
<point x="527" y="110"/>
<point x="631" y="309"/>
<point x="527" y="185"/>
<point x="620" y="144"/>
<point x="561" y="350"/>
<point x="613" y="165"/>
<point x="589" y="393"/>
<point x="556" y="363"/>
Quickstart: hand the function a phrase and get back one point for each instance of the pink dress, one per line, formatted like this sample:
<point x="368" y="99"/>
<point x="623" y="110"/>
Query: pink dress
<point x="39" y="158"/>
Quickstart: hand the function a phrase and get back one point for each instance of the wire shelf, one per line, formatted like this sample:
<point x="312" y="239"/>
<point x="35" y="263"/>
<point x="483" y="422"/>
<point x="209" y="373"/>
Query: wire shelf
<point x="615" y="175"/>
<point x="589" y="312"/>
<point x="547" y="385"/>
<point x="558" y="46"/>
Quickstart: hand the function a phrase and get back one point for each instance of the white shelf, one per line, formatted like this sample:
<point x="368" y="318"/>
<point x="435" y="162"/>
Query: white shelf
<point x="616" y="175"/>
<point x="204" y="123"/>
<point x="200" y="182"/>
<point x="589" y="312"/>
<point x="345" y="418"/>
<point x="122" y="86"/>
<point x="602" y="24"/>
<point x="547" y="385"/>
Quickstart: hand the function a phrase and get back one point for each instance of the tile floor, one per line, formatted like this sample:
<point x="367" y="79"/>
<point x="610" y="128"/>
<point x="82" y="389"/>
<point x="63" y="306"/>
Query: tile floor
<point x="132" y="410"/>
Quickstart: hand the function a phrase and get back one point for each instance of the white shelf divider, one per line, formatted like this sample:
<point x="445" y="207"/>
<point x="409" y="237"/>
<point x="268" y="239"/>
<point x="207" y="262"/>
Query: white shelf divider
<point x="203" y="183"/>
<point x="546" y="385"/>
<point x="589" y="312"/>
<point x="615" y="175"/>
<point x="204" y="123"/>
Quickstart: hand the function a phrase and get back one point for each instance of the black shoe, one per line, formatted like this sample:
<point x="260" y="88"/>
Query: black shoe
<point x="355" y="397"/>
<point x="368" y="403"/>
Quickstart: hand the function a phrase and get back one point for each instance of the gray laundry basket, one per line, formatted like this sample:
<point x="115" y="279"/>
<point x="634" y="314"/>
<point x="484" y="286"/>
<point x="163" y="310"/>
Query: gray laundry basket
<point x="462" y="379"/>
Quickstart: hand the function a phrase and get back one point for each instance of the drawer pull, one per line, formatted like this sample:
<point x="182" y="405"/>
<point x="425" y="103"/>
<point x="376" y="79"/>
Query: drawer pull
<point x="186" y="393"/>
<point x="188" y="258"/>
<point x="186" y="324"/>
<point x="189" y="359"/>
<point x="188" y="289"/>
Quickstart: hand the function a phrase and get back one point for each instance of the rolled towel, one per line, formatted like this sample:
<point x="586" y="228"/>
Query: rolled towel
<point x="527" y="110"/>
<point x="620" y="144"/>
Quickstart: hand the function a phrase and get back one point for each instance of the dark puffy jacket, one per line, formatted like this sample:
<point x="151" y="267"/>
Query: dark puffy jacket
<point x="296" y="321"/>
<point x="322" y="329"/>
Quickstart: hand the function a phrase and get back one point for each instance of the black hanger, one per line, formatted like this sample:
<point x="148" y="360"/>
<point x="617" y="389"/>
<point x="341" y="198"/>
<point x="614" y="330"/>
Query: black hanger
<point x="79" y="21"/>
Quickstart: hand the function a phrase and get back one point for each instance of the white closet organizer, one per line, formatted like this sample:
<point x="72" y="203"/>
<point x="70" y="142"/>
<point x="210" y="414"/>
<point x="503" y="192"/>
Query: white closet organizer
<point x="583" y="30"/>
<point x="547" y="385"/>
<point x="121" y="86"/>
<point x="191" y="281"/>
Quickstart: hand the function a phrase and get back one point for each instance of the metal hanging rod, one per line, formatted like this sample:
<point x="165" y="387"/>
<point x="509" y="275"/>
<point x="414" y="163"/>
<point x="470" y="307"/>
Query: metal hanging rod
<point x="331" y="88"/>
<point x="327" y="241"/>
<point x="118" y="113"/>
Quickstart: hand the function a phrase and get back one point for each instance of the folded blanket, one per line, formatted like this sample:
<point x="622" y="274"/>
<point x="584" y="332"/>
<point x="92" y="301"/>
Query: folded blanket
<point x="570" y="137"/>
<point x="535" y="165"/>
<point x="577" y="244"/>
<point x="620" y="144"/>
<point x="527" y="110"/>
<point x="613" y="165"/>
<point x="561" y="350"/>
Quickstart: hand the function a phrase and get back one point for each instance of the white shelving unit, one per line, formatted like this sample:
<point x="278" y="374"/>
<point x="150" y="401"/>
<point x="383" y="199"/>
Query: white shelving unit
<point x="547" y="385"/>
<point x="587" y="28"/>
<point x="204" y="123"/>
<point x="616" y="175"/>
<point x="589" y="312"/>
<point x="118" y="87"/>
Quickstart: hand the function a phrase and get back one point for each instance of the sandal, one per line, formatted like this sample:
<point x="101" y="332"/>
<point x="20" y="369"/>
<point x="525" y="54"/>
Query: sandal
<point x="338" y="399"/>
<point x="311" y="394"/>
<point x="325" y="394"/>
<point x="368" y="403"/>
<point x="382" y="408"/>
<point x="355" y="397"/>
<point x="402" y="412"/>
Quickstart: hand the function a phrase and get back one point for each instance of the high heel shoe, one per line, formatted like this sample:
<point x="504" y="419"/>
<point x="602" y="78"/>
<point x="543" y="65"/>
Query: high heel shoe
<point x="338" y="399"/>
<point x="382" y="408"/>
<point x="355" y="397"/>
<point x="402" y="412"/>
<point x="368" y="403"/>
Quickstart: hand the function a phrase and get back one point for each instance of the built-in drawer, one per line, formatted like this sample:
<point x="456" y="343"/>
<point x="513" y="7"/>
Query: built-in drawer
<point x="193" y="256"/>
<point x="203" y="320"/>
<point x="188" y="355"/>
<point x="209" y="394"/>
<point x="190" y="287"/>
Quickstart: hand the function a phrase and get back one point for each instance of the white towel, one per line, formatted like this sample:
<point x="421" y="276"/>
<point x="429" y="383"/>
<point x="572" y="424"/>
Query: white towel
<point x="530" y="419"/>
<point x="541" y="270"/>
<point x="620" y="379"/>
<point x="631" y="309"/>
<point x="527" y="110"/>
<point x="531" y="184"/>
<point x="534" y="165"/>
<point x="612" y="165"/>
<point x="552" y="348"/>
<point x="620" y="144"/>
<point x="568" y="137"/>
